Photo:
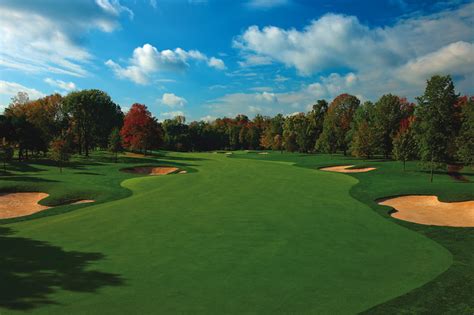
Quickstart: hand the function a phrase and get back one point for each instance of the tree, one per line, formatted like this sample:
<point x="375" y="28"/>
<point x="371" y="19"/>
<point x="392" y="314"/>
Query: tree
<point x="115" y="142"/>
<point x="60" y="152"/>
<point x="316" y="117"/>
<point x="404" y="144"/>
<point x="388" y="113"/>
<point x="465" y="139"/>
<point x="277" y="143"/>
<point x="6" y="155"/>
<point x="140" y="129"/>
<point x="436" y="128"/>
<point x="93" y="115"/>
<point x="337" y="124"/>
<point x="363" y="132"/>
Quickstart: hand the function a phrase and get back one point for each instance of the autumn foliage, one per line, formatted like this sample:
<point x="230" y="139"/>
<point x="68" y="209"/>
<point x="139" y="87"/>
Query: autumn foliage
<point x="140" y="129"/>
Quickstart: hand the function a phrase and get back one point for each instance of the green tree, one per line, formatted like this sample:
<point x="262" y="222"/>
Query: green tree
<point x="316" y="117"/>
<point x="115" y="143"/>
<point x="93" y="116"/>
<point x="465" y="139"/>
<point x="388" y="113"/>
<point x="436" y="127"/>
<point x="363" y="134"/>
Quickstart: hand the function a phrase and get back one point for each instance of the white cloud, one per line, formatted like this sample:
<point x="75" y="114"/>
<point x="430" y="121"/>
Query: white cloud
<point x="171" y="100"/>
<point x="148" y="60"/>
<point x="39" y="37"/>
<point x="216" y="63"/>
<point x="266" y="4"/>
<point x="208" y="118"/>
<point x="172" y="114"/>
<point x="397" y="58"/>
<point x="66" y="86"/>
<point x="336" y="40"/>
<point x="10" y="89"/>
<point x="255" y="60"/>
<point x="455" y="58"/>
<point x="267" y="97"/>
<point x="114" y="7"/>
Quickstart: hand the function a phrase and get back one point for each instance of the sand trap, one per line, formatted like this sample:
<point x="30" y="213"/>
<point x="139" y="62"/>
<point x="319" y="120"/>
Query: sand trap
<point x="151" y="170"/>
<point x="347" y="169"/>
<point x="13" y="205"/>
<point x="263" y="153"/>
<point x="228" y="153"/>
<point x="430" y="211"/>
<point x="182" y="172"/>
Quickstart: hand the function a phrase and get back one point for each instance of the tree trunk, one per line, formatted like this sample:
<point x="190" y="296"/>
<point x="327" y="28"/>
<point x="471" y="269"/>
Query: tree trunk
<point x="432" y="167"/>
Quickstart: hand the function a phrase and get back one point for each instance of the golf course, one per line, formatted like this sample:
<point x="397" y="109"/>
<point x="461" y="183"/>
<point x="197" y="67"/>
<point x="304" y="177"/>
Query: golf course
<point x="239" y="233"/>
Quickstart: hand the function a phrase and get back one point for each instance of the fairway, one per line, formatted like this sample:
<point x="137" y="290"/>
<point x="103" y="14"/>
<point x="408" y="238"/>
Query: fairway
<point x="236" y="234"/>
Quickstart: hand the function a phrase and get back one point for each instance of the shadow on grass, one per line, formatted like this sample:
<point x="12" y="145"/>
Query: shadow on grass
<point x="29" y="179"/>
<point x="31" y="271"/>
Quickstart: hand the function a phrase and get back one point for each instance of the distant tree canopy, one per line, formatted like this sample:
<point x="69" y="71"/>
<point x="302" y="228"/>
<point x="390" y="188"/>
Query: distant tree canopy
<point x="438" y="130"/>
<point x="93" y="115"/>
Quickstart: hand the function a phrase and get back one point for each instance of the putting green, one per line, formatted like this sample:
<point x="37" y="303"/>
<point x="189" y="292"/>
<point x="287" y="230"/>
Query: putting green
<point x="237" y="236"/>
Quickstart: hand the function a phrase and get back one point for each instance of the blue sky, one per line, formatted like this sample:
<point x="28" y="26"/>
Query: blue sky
<point x="206" y="59"/>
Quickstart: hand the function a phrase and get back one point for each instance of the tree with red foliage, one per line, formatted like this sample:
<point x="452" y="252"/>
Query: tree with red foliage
<point x="140" y="129"/>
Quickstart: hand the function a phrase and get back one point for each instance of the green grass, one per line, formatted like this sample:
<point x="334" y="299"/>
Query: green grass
<point x="245" y="233"/>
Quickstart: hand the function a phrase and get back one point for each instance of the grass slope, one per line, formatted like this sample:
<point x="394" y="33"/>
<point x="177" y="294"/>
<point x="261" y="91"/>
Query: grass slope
<point x="231" y="236"/>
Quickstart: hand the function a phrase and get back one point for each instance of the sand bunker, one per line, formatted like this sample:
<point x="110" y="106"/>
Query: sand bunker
<point x="429" y="210"/>
<point x="182" y="172"/>
<point x="347" y="169"/>
<point x="13" y="205"/>
<point x="151" y="170"/>
<point x="263" y="153"/>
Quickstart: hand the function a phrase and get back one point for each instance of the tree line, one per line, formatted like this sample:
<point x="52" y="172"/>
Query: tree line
<point x="438" y="129"/>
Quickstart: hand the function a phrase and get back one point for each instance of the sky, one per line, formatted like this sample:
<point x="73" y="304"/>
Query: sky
<point x="212" y="58"/>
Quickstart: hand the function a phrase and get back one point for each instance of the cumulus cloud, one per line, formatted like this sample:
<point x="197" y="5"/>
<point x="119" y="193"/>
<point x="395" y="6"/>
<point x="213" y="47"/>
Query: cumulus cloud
<point x="455" y="58"/>
<point x="397" y="58"/>
<point x="336" y="40"/>
<point x="148" y="60"/>
<point x="66" y="86"/>
<point x="172" y="100"/>
<point x="39" y="37"/>
<point x="216" y="63"/>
